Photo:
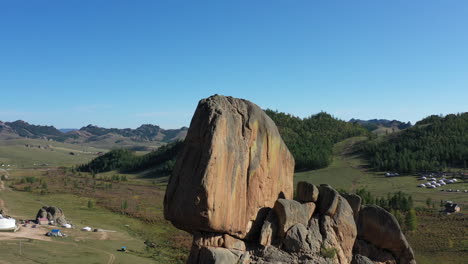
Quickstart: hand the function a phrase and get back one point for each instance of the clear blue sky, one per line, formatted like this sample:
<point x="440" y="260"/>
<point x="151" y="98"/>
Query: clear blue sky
<point x="123" y="63"/>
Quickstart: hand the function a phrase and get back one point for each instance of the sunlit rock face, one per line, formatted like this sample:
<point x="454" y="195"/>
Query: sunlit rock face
<point x="234" y="165"/>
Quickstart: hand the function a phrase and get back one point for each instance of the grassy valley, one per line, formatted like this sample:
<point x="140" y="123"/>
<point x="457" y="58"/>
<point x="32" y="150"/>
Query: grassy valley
<point x="131" y="207"/>
<point x="34" y="153"/>
<point x="438" y="238"/>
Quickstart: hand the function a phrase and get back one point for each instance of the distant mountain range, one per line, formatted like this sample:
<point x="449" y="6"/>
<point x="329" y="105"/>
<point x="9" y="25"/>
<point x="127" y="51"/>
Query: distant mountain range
<point x="66" y="130"/>
<point x="93" y="134"/>
<point x="374" y="124"/>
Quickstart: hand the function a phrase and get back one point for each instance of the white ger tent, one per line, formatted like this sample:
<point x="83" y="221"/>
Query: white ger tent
<point x="7" y="224"/>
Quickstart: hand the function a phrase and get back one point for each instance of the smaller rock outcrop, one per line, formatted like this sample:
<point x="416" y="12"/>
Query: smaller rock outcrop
<point x="3" y="212"/>
<point x="359" y="259"/>
<point x="289" y="213"/>
<point x="53" y="214"/>
<point x="379" y="228"/>
<point x="306" y="192"/>
<point x="354" y="201"/>
<point x="296" y="239"/>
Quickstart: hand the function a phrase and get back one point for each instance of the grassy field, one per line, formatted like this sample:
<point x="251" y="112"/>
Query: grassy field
<point x="438" y="238"/>
<point x="43" y="153"/>
<point x="90" y="247"/>
<point x="348" y="171"/>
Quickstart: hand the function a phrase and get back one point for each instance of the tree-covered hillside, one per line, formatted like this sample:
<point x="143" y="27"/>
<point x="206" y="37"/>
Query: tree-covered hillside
<point x="161" y="160"/>
<point x="311" y="139"/>
<point x="434" y="143"/>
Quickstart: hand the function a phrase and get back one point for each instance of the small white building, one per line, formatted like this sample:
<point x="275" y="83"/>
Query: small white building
<point x="7" y="224"/>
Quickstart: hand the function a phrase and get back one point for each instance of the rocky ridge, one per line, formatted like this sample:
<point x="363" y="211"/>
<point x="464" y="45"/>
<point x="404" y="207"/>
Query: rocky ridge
<point x="232" y="190"/>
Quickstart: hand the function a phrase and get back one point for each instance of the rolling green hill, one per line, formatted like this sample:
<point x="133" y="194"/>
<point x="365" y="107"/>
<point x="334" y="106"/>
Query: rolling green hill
<point x="160" y="162"/>
<point x="311" y="139"/>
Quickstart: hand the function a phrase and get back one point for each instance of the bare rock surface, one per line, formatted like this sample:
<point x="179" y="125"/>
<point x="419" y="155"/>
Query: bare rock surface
<point x="234" y="163"/>
<point x="306" y="192"/>
<point x="296" y="239"/>
<point x="327" y="200"/>
<point x="339" y="230"/>
<point x="355" y="202"/>
<point x="380" y="228"/>
<point x="233" y="243"/>
<point x="212" y="255"/>
<point x="359" y="259"/>
<point x="289" y="213"/>
<point x="372" y="252"/>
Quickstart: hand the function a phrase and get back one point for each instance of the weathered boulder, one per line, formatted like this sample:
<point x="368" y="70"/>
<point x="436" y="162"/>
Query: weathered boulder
<point x="3" y="212"/>
<point x="212" y="255"/>
<point x="380" y="228"/>
<point x="315" y="237"/>
<point x="52" y="213"/>
<point x="375" y="254"/>
<point x="289" y="213"/>
<point x="296" y="239"/>
<point x="354" y="201"/>
<point x="359" y="259"/>
<point x="327" y="200"/>
<point x="309" y="209"/>
<point x="306" y="192"/>
<point x="337" y="225"/>
<point x="42" y="213"/>
<point x="233" y="243"/>
<point x="234" y="163"/>
<point x="274" y="255"/>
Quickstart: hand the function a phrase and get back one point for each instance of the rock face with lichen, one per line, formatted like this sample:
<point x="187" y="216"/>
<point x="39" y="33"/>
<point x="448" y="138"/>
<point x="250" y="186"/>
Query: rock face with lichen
<point x="234" y="164"/>
<point x="232" y="188"/>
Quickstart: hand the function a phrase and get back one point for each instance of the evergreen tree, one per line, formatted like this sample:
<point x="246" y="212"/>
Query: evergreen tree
<point x="411" y="220"/>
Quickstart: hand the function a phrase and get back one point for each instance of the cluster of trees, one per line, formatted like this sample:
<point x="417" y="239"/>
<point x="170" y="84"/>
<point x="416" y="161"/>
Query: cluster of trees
<point x="124" y="160"/>
<point x="398" y="204"/>
<point x="112" y="160"/>
<point x="373" y="124"/>
<point x="433" y="144"/>
<point x="311" y="139"/>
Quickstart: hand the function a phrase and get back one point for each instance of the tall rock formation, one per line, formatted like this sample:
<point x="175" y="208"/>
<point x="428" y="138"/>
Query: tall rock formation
<point x="232" y="188"/>
<point x="234" y="164"/>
